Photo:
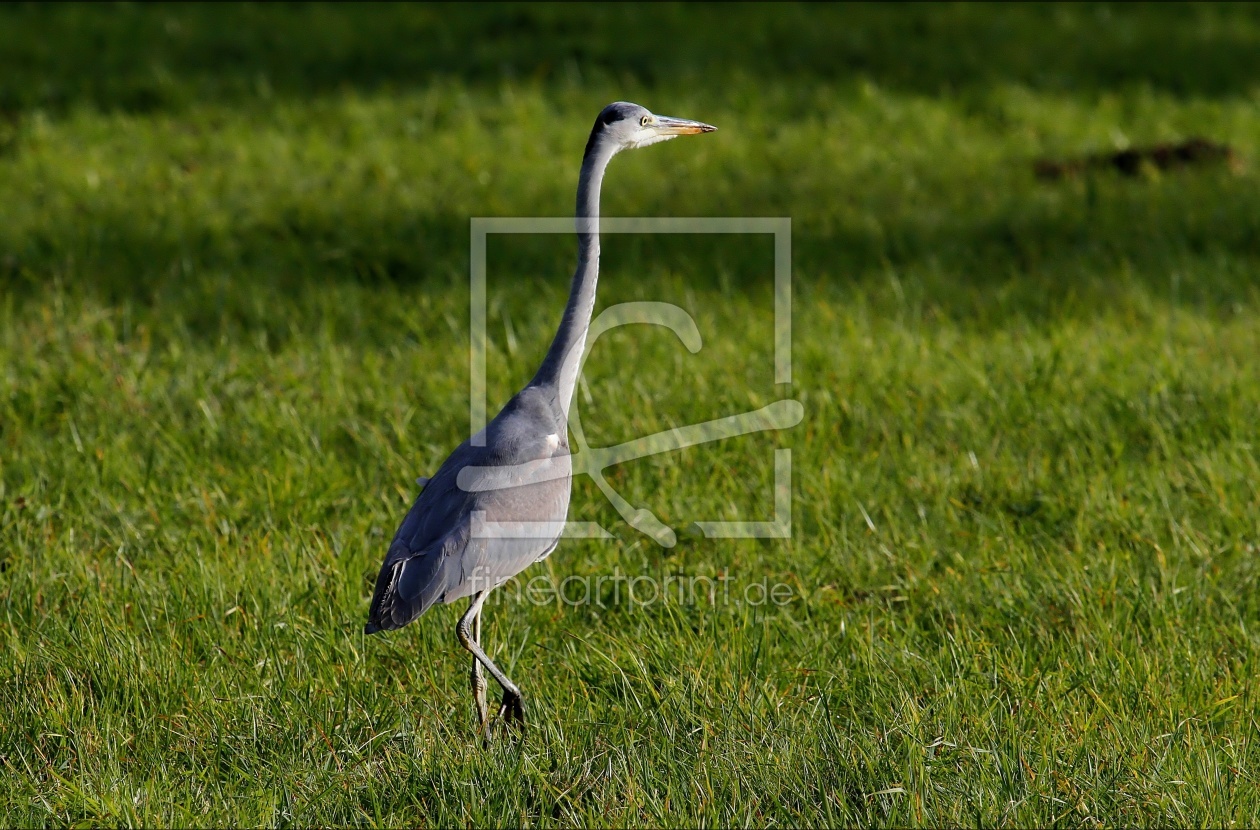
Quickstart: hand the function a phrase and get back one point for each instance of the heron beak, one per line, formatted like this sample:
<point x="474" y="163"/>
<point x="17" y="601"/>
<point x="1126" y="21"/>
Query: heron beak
<point x="680" y="126"/>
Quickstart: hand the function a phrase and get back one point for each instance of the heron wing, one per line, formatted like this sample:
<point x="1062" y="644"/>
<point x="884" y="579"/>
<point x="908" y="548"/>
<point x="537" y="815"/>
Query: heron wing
<point x="495" y="539"/>
<point x="454" y="542"/>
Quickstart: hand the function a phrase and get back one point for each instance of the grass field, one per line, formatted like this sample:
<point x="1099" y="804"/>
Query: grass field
<point x="1025" y="559"/>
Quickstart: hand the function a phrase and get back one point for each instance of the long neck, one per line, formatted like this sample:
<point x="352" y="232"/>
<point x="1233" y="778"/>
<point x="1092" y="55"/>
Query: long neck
<point x="560" y="367"/>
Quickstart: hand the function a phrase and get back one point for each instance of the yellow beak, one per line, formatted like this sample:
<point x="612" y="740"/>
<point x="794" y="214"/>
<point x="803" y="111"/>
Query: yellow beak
<point x="680" y="126"/>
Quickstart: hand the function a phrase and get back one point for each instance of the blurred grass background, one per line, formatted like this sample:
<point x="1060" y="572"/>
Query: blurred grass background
<point x="233" y="317"/>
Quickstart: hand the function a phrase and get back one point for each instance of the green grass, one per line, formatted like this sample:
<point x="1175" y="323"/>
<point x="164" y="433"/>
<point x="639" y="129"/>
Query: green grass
<point x="1025" y="558"/>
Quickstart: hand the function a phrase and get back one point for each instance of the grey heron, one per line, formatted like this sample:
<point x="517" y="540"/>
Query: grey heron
<point x="467" y="534"/>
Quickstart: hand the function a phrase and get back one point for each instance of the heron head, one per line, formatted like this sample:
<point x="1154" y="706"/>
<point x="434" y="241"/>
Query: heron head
<point x="626" y="126"/>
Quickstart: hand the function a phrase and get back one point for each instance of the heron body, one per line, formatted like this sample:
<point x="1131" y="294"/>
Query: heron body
<point x="436" y="557"/>
<point x="499" y="501"/>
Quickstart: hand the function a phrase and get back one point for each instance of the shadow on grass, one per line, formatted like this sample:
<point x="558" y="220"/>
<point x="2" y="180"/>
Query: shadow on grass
<point x="146" y="58"/>
<point x="150" y="57"/>
<point x="1037" y="260"/>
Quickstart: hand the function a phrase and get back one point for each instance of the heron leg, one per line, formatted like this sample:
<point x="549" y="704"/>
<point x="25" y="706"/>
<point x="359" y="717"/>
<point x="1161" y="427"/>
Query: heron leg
<point x="478" y="680"/>
<point x="513" y="707"/>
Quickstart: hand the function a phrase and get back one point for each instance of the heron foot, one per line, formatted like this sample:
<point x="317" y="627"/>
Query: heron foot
<point x="511" y="718"/>
<point x="512" y="710"/>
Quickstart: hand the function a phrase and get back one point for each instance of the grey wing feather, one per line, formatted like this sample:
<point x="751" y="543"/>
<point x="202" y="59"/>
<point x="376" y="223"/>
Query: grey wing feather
<point x="425" y="556"/>
<point x="413" y="581"/>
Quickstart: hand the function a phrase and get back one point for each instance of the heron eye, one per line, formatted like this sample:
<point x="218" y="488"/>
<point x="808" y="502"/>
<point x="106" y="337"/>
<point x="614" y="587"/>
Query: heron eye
<point x="645" y="120"/>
